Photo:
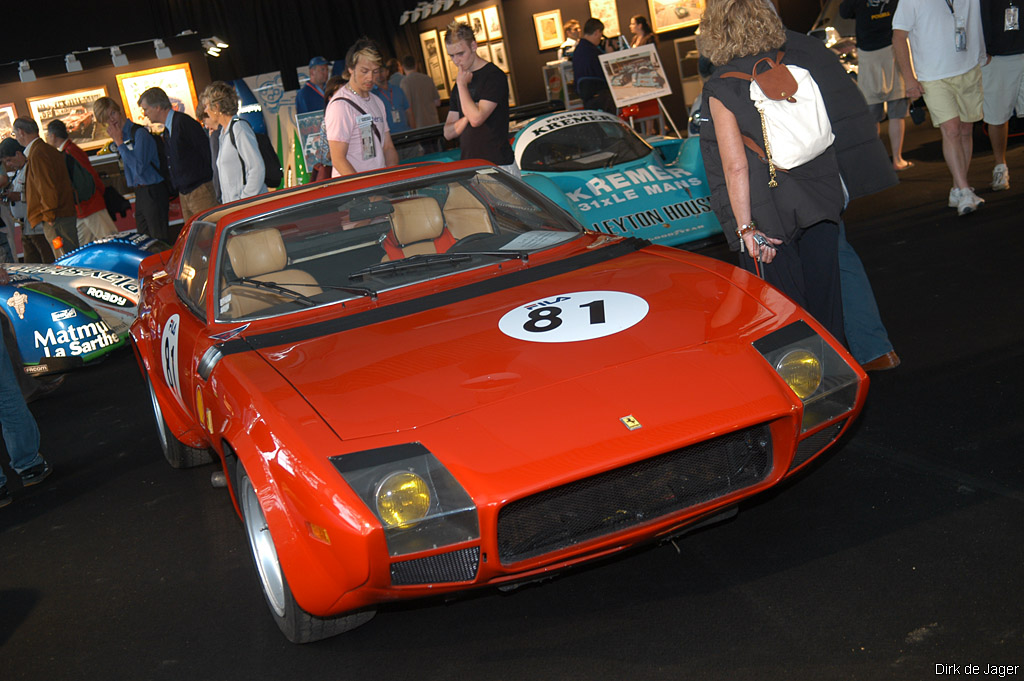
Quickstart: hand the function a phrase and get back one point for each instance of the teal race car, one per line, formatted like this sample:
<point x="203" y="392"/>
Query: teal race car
<point x="617" y="182"/>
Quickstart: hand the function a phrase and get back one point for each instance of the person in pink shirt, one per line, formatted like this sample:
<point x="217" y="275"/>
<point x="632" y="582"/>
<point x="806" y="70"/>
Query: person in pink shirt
<point x="356" y="119"/>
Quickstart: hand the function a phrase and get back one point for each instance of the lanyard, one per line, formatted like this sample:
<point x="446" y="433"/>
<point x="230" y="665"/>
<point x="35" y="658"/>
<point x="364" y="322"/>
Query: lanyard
<point x="949" y="3"/>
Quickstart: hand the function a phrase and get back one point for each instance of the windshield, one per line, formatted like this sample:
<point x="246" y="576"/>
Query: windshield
<point x="586" y="146"/>
<point x="360" y="244"/>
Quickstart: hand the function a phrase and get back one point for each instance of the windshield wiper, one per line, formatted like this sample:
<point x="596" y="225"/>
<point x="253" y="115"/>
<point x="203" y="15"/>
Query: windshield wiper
<point x="411" y="263"/>
<point x="517" y="255"/>
<point x="295" y="295"/>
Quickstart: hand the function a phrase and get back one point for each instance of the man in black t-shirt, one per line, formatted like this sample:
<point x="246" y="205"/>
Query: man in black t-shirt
<point x="478" y="109"/>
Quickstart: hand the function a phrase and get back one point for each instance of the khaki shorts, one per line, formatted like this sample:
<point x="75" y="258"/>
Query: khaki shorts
<point x="955" y="97"/>
<point x="1003" y="79"/>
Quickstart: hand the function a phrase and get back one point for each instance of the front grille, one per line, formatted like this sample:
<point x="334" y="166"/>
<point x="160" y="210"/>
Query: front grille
<point x="815" y="443"/>
<point x="634" y="494"/>
<point x="456" y="566"/>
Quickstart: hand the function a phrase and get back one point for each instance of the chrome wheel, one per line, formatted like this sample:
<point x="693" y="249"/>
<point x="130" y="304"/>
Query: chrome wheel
<point x="158" y="414"/>
<point x="262" y="545"/>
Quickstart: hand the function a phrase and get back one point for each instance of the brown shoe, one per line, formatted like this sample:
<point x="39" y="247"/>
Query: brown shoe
<point x="889" y="360"/>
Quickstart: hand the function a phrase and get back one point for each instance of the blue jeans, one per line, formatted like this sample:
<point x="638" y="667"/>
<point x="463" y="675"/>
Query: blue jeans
<point x="21" y="434"/>
<point x="865" y="334"/>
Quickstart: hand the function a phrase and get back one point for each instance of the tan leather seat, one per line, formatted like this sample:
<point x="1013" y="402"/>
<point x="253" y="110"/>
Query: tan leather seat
<point x="417" y="227"/>
<point x="261" y="255"/>
<point x="464" y="214"/>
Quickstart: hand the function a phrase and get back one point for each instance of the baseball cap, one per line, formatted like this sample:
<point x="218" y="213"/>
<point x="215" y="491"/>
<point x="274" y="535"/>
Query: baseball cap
<point x="317" y="61"/>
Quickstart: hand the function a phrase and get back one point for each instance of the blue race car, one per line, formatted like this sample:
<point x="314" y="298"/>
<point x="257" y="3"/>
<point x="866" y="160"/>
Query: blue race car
<point x="615" y="181"/>
<point x="118" y="253"/>
<point x="62" y="317"/>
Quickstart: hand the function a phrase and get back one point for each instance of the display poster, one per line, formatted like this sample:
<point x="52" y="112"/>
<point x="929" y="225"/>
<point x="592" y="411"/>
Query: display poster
<point x="608" y="12"/>
<point x="278" y="107"/>
<point x="635" y="75"/>
<point x="309" y="129"/>
<point x="75" y="109"/>
<point x="432" y="58"/>
<point x="7" y="116"/>
<point x="175" y="80"/>
<point x="668" y="15"/>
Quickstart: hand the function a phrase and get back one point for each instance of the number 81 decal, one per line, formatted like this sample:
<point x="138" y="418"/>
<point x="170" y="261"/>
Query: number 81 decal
<point x="572" y="317"/>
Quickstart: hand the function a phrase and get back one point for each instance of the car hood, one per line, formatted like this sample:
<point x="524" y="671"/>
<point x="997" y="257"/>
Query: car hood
<point x="443" y="361"/>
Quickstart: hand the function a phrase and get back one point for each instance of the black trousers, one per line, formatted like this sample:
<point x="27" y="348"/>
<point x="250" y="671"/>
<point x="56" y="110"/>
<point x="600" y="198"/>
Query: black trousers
<point x="152" y="203"/>
<point x="595" y="95"/>
<point x="807" y="270"/>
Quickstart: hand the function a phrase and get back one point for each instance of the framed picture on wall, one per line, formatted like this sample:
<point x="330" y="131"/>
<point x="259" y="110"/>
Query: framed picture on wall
<point x="498" y="56"/>
<point x="432" y="57"/>
<point x="668" y="15"/>
<point x="75" y="109"/>
<point x="462" y="19"/>
<point x="483" y="52"/>
<point x="476" y="22"/>
<point x="7" y="115"/>
<point x="492" y="23"/>
<point x="549" y="29"/>
<point x="511" y="92"/>
<point x="175" y="80"/>
<point x="608" y="13"/>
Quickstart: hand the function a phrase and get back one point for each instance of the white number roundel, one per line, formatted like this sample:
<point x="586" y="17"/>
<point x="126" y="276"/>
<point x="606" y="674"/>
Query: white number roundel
<point x="572" y="317"/>
<point x="169" y="354"/>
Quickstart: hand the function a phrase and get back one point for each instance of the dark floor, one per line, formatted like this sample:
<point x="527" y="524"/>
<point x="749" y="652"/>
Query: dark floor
<point x="901" y="551"/>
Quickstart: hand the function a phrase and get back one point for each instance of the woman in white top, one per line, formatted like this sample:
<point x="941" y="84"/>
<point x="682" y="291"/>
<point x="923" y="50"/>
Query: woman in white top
<point x="356" y="121"/>
<point x="239" y="165"/>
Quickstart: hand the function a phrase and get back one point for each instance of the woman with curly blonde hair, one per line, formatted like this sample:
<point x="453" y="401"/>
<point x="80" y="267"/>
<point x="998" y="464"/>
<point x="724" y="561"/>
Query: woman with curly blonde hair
<point x="788" y="231"/>
<point x="239" y="164"/>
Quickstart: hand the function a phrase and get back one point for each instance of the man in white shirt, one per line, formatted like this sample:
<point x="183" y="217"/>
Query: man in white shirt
<point x="949" y="49"/>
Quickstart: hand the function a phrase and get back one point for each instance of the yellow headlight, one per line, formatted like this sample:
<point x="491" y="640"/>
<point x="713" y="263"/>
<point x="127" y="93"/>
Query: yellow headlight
<point x="403" y="499"/>
<point x="801" y="370"/>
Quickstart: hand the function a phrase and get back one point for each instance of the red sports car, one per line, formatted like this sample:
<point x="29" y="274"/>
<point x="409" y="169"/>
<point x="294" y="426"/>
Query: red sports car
<point x="430" y="379"/>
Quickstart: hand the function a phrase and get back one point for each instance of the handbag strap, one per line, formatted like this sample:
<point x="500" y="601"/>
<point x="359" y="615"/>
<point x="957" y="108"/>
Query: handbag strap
<point x="358" y="108"/>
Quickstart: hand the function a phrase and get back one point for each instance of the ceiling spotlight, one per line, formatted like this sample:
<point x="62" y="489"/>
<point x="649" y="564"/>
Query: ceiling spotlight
<point x="462" y="2"/>
<point x="438" y="4"/>
<point x="414" y="15"/>
<point x="162" y="51"/>
<point x="71" y="63"/>
<point x="117" y="56"/>
<point x="26" y="73"/>
<point x="448" y="4"/>
<point x="405" y="18"/>
<point x="218" y="42"/>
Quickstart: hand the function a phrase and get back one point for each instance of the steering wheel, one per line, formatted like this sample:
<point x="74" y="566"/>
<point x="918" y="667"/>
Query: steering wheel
<point x="466" y="242"/>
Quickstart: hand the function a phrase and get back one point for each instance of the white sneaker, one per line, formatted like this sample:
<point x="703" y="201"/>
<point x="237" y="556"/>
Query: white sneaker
<point x="969" y="202"/>
<point x="1000" y="178"/>
<point x="954" y="197"/>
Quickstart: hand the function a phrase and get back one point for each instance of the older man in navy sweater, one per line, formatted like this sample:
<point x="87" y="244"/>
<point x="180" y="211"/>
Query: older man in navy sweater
<point x="188" y="152"/>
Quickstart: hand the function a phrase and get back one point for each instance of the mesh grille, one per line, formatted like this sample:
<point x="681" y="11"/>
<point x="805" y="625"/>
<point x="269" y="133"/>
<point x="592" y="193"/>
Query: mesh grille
<point x="633" y="494"/>
<point x="456" y="566"/>
<point x="815" y="443"/>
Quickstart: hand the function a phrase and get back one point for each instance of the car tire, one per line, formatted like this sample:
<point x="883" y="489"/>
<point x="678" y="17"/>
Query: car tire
<point x="296" y="624"/>
<point x="178" y="454"/>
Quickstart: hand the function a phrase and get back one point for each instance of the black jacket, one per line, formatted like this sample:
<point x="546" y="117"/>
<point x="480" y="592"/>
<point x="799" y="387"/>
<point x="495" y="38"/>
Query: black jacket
<point x="188" y="153"/>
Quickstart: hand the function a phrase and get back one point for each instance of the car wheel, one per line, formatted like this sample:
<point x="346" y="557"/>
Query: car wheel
<point x="177" y="453"/>
<point x="297" y="625"/>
